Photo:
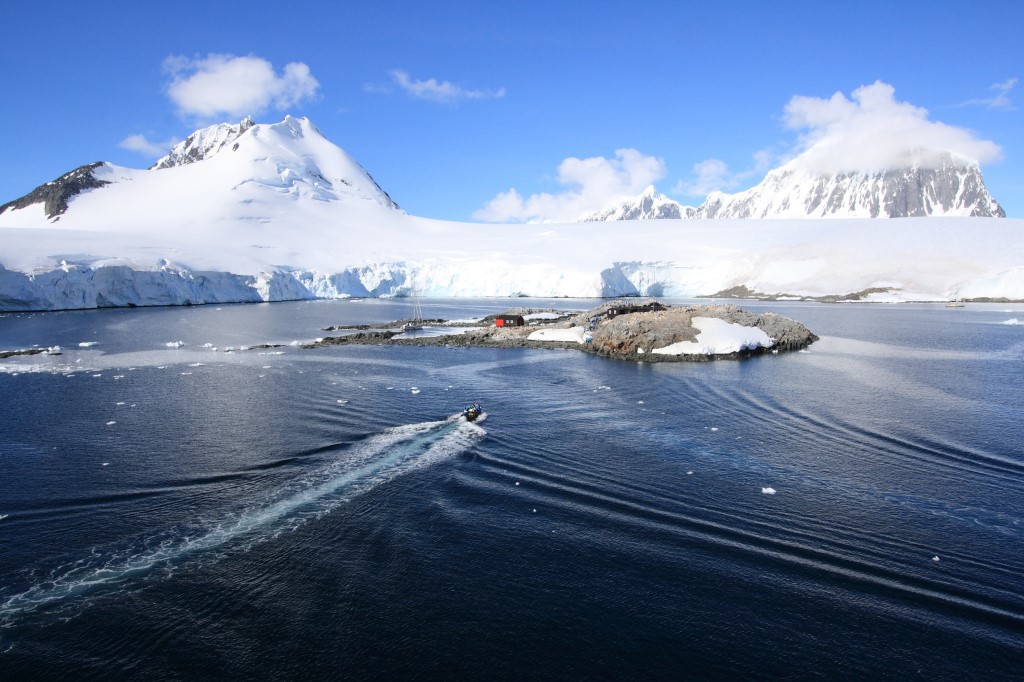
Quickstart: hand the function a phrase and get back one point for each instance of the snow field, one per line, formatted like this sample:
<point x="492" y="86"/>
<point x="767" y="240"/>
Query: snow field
<point x="718" y="337"/>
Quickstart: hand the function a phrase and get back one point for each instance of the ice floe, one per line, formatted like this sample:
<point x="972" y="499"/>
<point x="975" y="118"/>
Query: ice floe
<point x="768" y="491"/>
<point x="174" y="344"/>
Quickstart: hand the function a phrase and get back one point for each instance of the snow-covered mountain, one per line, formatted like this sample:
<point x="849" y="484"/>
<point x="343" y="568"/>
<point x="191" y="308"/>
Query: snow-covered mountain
<point x="650" y="205"/>
<point x="947" y="186"/>
<point x="258" y="212"/>
<point x="247" y="172"/>
<point x="944" y="185"/>
<point x="204" y="143"/>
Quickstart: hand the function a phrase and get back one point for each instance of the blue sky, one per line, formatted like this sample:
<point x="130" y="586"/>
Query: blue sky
<point x="450" y="105"/>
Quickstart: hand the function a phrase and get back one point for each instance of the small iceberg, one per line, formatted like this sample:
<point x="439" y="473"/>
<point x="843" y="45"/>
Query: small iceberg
<point x="88" y="344"/>
<point x="768" y="491"/>
<point x="174" y="344"/>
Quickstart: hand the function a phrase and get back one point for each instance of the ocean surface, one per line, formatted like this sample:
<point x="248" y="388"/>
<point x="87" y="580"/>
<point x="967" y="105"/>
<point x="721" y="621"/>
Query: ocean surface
<point x="855" y="511"/>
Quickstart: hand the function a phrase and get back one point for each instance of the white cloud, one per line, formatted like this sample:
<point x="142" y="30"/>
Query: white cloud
<point x="139" y="143"/>
<point x="1000" y="100"/>
<point x="225" y="85"/>
<point x="714" y="175"/>
<point x="592" y="183"/>
<point x="435" y="90"/>
<point x="708" y="176"/>
<point x="873" y="132"/>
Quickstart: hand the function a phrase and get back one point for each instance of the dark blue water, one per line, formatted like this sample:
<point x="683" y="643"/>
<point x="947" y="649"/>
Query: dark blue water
<point x="192" y="513"/>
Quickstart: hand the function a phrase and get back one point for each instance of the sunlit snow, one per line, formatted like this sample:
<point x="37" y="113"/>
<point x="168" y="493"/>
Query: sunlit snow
<point x="718" y="337"/>
<point x="284" y="214"/>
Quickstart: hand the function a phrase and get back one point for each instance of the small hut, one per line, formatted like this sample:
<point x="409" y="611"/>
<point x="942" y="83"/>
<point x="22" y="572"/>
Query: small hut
<point x="509" y="321"/>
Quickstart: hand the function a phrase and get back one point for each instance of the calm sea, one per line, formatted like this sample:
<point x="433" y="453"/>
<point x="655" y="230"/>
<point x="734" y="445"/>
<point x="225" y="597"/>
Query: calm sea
<point x="183" y="512"/>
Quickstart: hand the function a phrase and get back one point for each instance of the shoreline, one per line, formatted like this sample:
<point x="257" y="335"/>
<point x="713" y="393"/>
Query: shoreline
<point x="628" y="330"/>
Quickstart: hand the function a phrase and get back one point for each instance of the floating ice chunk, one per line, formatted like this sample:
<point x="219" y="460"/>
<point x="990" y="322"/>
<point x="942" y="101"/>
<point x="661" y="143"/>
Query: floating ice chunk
<point x="517" y="482"/>
<point x="174" y="344"/>
<point x="106" y="464"/>
<point x="935" y="558"/>
<point x="768" y="491"/>
<point x="120" y="403"/>
<point x="1013" y="321"/>
<point x="207" y="345"/>
<point x="604" y="388"/>
<point x="689" y="473"/>
<point x="342" y="402"/>
<point x="87" y="344"/>
<point x="412" y="390"/>
<point x="714" y="428"/>
<point x="111" y="423"/>
<point x="96" y="376"/>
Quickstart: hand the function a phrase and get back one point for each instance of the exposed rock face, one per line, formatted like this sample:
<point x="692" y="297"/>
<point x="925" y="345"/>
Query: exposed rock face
<point x="203" y="144"/>
<point x="624" y="330"/>
<point x="949" y="187"/>
<point x="938" y="184"/>
<point x="55" y="195"/>
<point x="634" y="335"/>
<point x="650" y="205"/>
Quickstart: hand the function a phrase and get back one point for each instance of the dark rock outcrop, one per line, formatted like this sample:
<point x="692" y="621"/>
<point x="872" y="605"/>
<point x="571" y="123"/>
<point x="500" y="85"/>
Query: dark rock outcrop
<point x="55" y="195"/>
<point x="624" y="330"/>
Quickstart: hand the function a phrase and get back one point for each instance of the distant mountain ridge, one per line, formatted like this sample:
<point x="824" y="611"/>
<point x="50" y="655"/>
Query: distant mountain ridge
<point x="946" y="186"/>
<point x="650" y="205"/>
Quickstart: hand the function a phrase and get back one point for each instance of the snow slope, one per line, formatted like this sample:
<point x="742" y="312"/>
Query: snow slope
<point x="280" y="213"/>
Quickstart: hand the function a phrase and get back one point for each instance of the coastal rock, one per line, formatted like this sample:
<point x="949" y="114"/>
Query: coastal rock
<point x="625" y="330"/>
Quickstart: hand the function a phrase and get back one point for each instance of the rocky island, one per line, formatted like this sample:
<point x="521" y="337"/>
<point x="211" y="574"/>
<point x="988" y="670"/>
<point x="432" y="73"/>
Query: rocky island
<point x="627" y="330"/>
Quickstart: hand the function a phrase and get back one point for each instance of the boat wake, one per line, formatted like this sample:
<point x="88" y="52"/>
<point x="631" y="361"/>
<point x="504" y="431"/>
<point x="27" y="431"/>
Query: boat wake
<point x="362" y="467"/>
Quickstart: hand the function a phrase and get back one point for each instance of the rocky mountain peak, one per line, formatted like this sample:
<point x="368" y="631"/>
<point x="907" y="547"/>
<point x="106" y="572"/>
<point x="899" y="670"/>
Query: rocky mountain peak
<point x="947" y="185"/>
<point x="55" y="194"/>
<point x="204" y="143"/>
<point x="649" y="205"/>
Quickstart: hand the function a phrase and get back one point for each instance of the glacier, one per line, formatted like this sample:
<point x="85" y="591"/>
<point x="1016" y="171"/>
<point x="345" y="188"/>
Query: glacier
<point x="275" y="212"/>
